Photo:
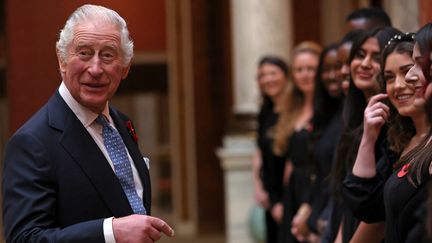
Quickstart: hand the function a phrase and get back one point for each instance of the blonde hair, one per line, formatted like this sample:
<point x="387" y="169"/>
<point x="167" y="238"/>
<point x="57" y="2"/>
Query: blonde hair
<point x="293" y="103"/>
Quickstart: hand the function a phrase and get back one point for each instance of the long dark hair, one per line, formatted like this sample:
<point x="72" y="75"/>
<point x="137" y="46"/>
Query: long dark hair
<point x="421" y="169"/>
<point x="351" y="36"/>
<point x="355" y="101"/>
<point x="420" y="157"/>
<point x="355" y="104"/>
<point x="424" y="43"/>
<point x="325" y="106"/>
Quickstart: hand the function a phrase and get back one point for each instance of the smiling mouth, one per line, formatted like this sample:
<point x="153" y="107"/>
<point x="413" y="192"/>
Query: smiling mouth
<point x="365" y="75"/>
<point x="94" y="85"/>
<point x="403" y="97"/>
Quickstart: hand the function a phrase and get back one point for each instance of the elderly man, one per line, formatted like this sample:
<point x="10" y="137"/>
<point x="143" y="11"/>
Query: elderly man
<point x="73" y="172"/>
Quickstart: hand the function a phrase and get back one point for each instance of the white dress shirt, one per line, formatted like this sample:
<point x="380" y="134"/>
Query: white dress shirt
<point x="87" y="118"/>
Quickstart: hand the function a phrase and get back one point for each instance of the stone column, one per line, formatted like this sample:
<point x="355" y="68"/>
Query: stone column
<point x="236" y="159"/>
<point x="258" y="28"/>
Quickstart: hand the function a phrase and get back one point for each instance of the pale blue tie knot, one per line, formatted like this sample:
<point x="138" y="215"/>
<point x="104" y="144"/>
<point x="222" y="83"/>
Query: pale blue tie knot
<point x="122" y="167"/>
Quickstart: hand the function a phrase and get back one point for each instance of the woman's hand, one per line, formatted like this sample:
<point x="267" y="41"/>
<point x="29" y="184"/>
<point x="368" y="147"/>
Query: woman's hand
<point x="376" y="115"/>
<point x="299" y="227"/>
<point x="262" y="198"/>
<point x="277" y="212"/>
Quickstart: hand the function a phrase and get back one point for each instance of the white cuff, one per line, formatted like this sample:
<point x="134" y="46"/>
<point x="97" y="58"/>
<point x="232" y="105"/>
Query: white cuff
<point x="108" y="230"/>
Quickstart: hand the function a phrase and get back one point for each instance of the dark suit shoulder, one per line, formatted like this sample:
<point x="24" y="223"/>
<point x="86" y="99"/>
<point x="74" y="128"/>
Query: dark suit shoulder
<point x="37" y="121"/>
<point x="52" y="115"/>
<point x="46" y="180"/>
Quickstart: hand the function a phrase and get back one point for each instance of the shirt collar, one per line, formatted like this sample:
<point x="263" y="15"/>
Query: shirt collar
<point x="85" y="115"/>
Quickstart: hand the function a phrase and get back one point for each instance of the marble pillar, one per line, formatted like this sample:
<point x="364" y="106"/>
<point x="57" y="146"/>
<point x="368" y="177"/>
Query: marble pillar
<point x="258" y="28"/>
<point x="236" y="159"/>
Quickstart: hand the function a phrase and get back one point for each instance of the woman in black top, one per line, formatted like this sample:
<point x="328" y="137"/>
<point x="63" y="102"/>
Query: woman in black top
<point x="424" y="41"/>
<point x="268" y="168"/>
<point x="398" y="187"/>
<point x="326" y="123"/>
<point x="292" y="131"/>
<point x="364" y="68"/>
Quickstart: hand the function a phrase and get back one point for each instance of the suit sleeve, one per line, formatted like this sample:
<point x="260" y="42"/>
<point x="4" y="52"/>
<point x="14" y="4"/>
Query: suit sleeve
<point x="29" y="197"/>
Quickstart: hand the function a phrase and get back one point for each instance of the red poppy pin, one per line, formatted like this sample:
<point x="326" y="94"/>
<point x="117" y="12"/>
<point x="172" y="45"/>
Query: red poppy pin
<point x="310" y="127"/>
<point x="403" y="171"/>
<point x="131" y="131"/>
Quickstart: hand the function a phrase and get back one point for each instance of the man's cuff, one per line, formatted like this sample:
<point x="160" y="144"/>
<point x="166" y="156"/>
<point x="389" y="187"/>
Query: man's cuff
<point x="108" y="230"/>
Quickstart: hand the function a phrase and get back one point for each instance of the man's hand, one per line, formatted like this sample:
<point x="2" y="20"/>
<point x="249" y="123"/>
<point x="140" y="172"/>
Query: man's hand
<point x="140" y="228"/>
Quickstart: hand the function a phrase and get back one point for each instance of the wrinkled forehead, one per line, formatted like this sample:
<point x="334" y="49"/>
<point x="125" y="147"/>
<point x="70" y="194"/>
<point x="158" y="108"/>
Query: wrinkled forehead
<point x="96" y="30"/>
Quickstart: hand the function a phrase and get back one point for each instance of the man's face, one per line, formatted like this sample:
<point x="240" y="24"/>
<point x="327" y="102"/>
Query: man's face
<point x="93" y="68"/>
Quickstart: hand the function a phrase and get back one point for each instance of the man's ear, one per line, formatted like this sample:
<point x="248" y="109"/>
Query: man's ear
<point x="125" y="71"/>
<point x="61" y="62"/>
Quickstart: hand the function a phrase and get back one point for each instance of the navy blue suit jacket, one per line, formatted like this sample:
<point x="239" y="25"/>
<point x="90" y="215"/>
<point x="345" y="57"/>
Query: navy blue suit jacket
<point x="57" y="184"/>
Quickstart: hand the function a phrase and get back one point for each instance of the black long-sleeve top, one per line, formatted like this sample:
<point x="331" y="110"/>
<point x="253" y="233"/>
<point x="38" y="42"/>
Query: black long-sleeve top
<point x="389" y="197"/>
<point x="273" y="166"/>
<point x="323" y="153"/>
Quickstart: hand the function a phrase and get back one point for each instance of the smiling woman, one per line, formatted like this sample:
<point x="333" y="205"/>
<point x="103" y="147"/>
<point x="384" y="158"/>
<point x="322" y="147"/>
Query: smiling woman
<point x="401" y="92"/>
<point x="272" y="78"/>
<point x="330" y="73"/>
<point x="384" y="183"/>
<point x="401" y="87"/>
<point x="365" y="67"/>
<point x="292" y="134"/>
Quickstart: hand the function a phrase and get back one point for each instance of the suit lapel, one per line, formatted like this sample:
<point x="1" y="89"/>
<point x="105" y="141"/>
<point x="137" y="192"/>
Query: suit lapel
<point x="136" y="157"/>
<point x="81" y="147"/>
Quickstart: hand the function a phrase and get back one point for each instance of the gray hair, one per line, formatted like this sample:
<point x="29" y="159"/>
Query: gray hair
<point x="88" y="12"/>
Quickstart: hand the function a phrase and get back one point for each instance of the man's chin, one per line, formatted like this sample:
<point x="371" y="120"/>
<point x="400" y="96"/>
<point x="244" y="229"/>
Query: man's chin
<point x="97" y="106"/>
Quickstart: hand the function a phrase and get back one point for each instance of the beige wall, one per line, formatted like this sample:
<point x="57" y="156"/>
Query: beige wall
<point x="404" y="14"/>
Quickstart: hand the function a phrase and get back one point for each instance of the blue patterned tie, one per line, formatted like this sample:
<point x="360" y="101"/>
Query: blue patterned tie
<point x="117" y="152"/>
